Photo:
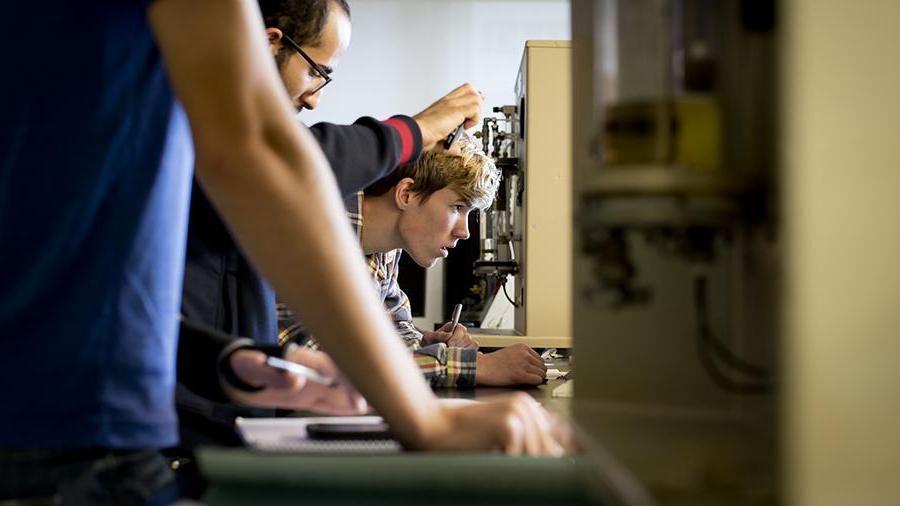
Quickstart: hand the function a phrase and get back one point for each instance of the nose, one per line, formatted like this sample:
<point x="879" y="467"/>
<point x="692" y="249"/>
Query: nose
<point x="461" y="230"/>
<point x="310" y="100"/>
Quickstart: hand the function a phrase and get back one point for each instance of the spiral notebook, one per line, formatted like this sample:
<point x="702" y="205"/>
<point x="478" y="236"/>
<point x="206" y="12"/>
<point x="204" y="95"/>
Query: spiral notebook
<point x="289" y="435"/>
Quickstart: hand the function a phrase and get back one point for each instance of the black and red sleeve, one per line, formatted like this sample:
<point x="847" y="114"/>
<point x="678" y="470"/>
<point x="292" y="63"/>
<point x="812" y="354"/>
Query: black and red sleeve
<point x="369" y="149"/>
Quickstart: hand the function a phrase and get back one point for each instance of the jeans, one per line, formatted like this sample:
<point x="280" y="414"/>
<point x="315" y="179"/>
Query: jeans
<point x="87" y="476"/>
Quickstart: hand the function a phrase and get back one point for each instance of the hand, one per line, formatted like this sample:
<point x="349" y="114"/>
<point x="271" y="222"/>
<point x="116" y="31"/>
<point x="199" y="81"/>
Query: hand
<point x="462" y="105"/>
<point x="289" y="391"/>
<point x="516" y="425"/>
<point x="514" y="365"/>
<point x="459" y="338"/>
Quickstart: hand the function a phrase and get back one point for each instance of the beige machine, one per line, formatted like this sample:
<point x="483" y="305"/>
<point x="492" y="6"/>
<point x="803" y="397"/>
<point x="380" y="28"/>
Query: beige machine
<point x="527" y="236"/>
<point x="801" y="215"/>
<point x="677" y="242"/>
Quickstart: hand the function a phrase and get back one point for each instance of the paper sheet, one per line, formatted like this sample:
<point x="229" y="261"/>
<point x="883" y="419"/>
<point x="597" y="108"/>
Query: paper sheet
<point x="289" y="434"/>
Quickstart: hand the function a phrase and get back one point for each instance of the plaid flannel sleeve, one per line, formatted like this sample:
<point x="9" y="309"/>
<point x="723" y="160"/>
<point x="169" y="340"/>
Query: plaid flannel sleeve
<point x="442" y="366"/>
<point x="447" y="367"/>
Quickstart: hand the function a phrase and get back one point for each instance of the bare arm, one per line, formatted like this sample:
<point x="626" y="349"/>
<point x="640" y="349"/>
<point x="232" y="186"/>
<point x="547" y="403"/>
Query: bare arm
<point x="253" y="160"/>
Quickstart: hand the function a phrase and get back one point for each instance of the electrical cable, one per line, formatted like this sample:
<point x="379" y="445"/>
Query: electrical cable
<point x="503" y="285"/>
<point x="709" y="348"/>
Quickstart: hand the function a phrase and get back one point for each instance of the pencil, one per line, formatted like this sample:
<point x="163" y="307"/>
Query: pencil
<point x="300" y="370"/>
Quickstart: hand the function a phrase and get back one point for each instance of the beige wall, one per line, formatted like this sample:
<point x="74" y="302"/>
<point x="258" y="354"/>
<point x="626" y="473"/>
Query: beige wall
<point x="841" y="160"/>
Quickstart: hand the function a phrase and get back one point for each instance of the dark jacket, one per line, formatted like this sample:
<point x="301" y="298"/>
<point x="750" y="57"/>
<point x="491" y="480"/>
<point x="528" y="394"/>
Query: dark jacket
<point x="223" y="291"/>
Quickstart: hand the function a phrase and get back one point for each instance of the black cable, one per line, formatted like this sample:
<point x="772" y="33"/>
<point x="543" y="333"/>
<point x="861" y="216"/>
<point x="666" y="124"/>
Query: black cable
<point x="718" y="347"/>
<point x="503" y="285"/>
<point x="725" y="382"/>
<point x="709" y="347"/>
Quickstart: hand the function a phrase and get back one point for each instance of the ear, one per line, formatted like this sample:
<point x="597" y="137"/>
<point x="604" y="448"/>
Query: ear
<point x="273" y="35"/>
<point x="402" y="194"/>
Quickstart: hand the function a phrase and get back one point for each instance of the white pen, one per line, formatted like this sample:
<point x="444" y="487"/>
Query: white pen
<point x="300" y="370"/>
<point x="457" y="310"/>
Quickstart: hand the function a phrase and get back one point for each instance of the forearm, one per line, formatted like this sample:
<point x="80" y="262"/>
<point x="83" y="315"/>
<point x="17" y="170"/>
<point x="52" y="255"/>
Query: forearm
<point x="410" y="335"/>
<point x="254" y="162"/>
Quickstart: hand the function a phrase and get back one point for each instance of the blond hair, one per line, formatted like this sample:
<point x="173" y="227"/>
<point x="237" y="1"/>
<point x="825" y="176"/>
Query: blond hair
<point x="470" y="173"/>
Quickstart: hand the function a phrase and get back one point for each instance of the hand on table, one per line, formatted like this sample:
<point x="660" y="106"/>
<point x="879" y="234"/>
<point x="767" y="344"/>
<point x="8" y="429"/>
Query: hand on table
<point x="289" y="391"/>
<point x="514" y="365"/>
<point x="514" y="424"/>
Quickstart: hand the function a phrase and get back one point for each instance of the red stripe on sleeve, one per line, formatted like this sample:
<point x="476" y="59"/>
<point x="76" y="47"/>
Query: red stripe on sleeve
<point x="406" y="138"/>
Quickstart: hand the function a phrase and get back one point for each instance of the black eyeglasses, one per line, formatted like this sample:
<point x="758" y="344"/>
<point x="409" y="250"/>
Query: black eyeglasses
<point x="318" y="69"/>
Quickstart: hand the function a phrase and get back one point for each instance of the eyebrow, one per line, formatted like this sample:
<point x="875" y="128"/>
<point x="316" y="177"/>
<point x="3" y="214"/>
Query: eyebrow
<point x="328" y="70"/>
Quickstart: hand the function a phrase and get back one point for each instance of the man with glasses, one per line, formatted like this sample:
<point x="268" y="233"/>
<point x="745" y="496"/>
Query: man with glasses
<point x="322" y="74"/>
<point x="221" y="289"/>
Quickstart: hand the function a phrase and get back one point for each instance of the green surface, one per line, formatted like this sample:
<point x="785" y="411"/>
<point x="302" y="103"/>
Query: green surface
<point x="246" y="477"/>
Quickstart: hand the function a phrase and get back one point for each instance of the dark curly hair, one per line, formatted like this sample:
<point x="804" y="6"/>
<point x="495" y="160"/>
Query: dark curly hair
<point x="301" y="20"/>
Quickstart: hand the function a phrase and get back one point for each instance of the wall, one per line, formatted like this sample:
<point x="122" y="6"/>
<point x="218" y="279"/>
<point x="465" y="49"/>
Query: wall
<point x="404" y="54"/>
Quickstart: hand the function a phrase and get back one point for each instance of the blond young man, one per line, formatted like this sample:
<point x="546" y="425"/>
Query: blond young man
<point x="423" y="208"/>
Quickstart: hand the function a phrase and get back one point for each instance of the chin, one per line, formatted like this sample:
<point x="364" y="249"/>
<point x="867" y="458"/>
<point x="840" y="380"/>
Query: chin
<point x="426" y="263"/>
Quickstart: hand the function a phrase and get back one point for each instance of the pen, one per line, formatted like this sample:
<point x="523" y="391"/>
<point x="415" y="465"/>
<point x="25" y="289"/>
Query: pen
<point x="453" y="137"/>
<point x="299" y="370"/>
<point x="456" y="312"/>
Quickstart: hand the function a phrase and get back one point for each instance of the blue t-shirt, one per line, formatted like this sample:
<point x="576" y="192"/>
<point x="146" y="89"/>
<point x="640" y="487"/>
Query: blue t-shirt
<point x="95" y="171"/>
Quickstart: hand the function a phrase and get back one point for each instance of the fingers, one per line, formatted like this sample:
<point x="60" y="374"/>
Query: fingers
<point x="340" y="399"/>
<point x="439" y="336"/>
<point x="547" y="444"/>
<point x="531" y="357"/>
<point x="454" y="331"/>
<point x="464" y="342"/>
<point x="461" y="338"/>
<point x="527" y="357"/>
<point x="516" y="430"/>
<point x="462" y="90"/>
<point x="462" y="105"/>
<point x="317" y="360"/>
<point x="514" y="424"/>
<point x="530" y="366"/>
<point x="562" y="433"/>
<point x="456" y="336"/>
<point x="250" y="366"/>
<point x="531" y="430"/>
<point x="531" y="376"/>
<point x="528" y="428"/>
<point x="470" y="105"/>
<point x="292" y="391"/>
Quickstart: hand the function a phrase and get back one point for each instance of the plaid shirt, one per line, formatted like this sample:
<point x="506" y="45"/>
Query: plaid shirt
<point x="443" y="366"/>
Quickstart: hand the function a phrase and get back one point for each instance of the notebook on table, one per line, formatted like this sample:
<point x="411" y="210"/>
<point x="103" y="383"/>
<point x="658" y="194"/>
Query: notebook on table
<point x="291" y="435"/>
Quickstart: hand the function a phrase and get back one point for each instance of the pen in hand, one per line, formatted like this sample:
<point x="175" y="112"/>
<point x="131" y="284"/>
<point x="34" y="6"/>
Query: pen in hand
<point x="457" y="310"/>
<point x="300" y="370"/>
<point x="452" y="138"/>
